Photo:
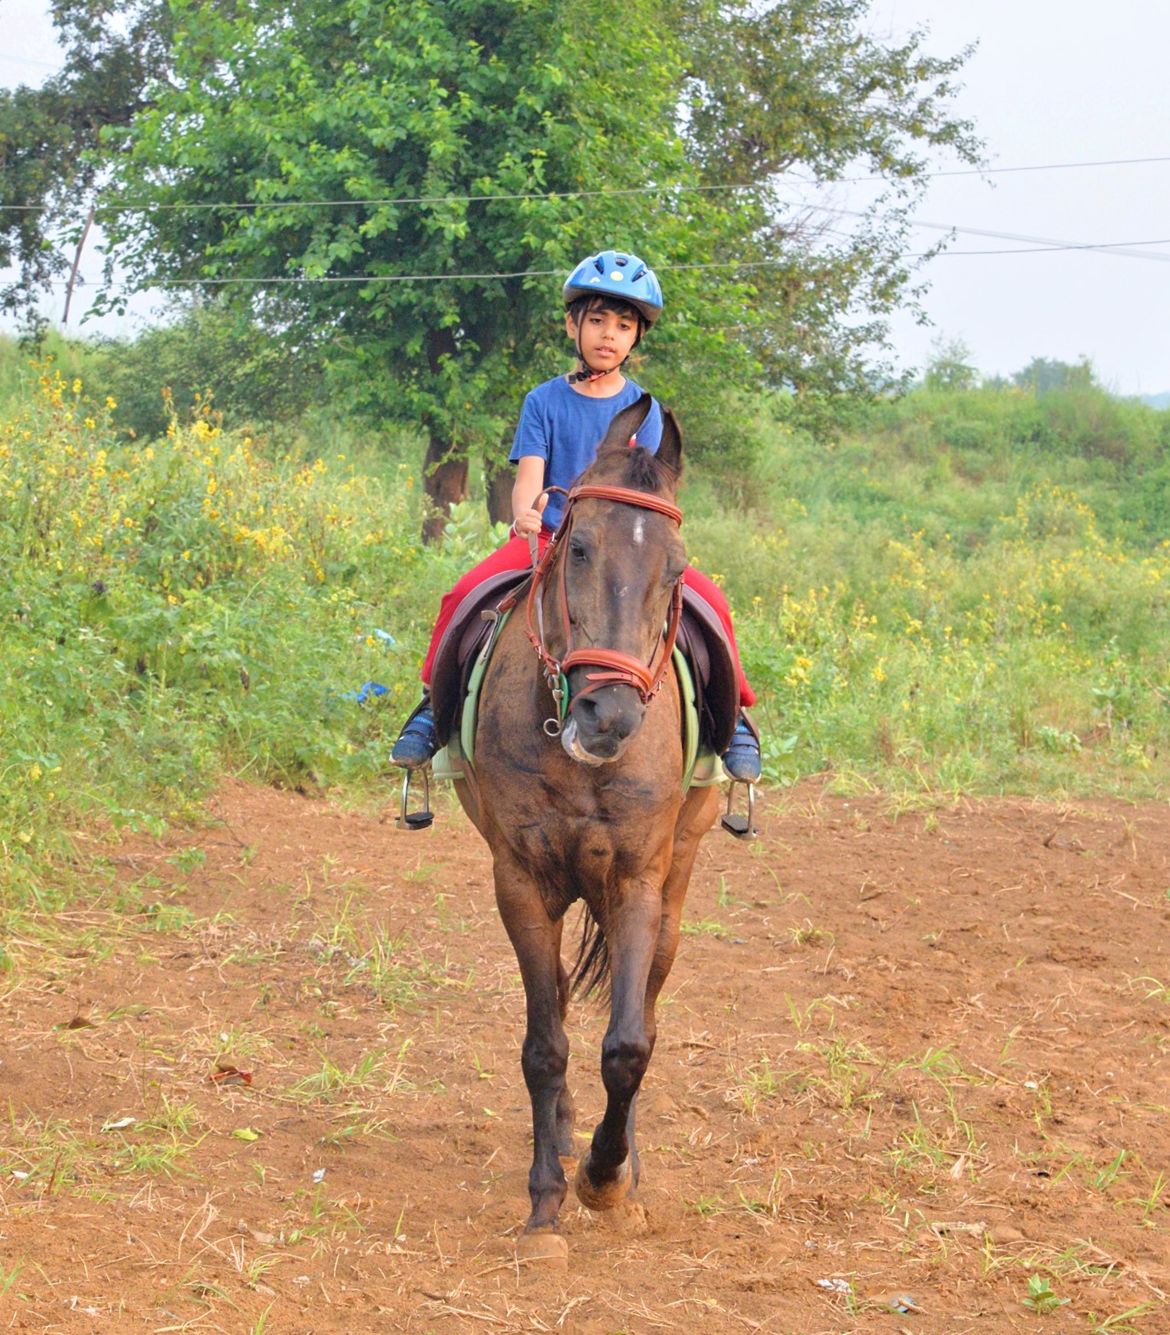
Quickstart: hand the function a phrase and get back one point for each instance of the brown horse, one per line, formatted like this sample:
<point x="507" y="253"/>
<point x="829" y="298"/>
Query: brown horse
<point x="592" y="808"/>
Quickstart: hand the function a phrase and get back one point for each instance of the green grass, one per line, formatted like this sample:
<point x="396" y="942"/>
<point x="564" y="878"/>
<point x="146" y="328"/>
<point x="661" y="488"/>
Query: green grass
<point x="966" y="595"/>
<point x="957" y="612"/>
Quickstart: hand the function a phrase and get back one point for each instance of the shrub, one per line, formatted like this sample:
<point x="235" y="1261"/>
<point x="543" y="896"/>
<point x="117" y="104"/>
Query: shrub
<point x="208" y="353"/>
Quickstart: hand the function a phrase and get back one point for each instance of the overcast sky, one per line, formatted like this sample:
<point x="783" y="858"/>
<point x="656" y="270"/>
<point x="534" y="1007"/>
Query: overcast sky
<point x="1052" y="81"/>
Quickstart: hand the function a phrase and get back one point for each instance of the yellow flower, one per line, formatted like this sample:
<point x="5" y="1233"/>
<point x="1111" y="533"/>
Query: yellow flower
<point x="111" y="402"/>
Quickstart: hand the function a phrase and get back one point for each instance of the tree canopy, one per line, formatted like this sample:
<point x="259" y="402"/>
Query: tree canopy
<point x="403" y="184"/>
<point x="53" y="139"/>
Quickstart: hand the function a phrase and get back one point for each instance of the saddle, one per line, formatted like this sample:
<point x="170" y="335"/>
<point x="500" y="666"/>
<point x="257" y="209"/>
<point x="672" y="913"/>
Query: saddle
<point x="701" y="642"/>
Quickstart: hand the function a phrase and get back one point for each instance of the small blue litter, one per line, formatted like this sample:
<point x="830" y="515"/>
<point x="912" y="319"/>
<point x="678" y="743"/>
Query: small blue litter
<point x="387" y="639"/>
<point x="368" y="689"/>
<point x="903" y="1303"/>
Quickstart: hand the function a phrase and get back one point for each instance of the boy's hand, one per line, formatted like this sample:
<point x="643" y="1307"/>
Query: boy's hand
<point x="527" y="522"/>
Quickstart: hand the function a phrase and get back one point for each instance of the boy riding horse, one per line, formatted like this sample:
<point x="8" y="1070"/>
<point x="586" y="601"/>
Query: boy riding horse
<point x="611" y="299"/>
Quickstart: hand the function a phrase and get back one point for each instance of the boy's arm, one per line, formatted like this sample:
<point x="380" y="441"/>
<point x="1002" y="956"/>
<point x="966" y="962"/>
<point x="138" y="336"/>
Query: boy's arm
<point x="527" y="502"/>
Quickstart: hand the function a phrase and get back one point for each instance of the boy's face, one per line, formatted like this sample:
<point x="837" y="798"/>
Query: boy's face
<point x="606" y="338"/>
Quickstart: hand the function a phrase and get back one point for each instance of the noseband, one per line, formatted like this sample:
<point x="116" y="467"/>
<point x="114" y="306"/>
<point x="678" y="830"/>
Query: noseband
<point x="613" y="668"/>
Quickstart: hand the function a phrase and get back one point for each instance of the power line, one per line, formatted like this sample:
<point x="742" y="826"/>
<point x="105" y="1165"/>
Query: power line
<point x="1123" y="248"/>
<point x="1002" y="171"/>
<point x="1044" y="250"/>
<point x="28" y="60"/>
<point x="295" y="280"/>
<point x="605" y="192"/>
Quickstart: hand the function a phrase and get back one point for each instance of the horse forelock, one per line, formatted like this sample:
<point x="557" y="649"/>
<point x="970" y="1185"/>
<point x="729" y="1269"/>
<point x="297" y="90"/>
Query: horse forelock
<point x="636" y="468"/>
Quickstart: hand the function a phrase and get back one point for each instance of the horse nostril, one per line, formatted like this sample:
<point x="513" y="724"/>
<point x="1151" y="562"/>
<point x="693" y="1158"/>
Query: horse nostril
<point x="605" y="716"/>
<point x="586" y="709"/>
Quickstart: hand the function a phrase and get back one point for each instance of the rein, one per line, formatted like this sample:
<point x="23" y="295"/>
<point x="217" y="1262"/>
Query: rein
<point x="613" y="667"/>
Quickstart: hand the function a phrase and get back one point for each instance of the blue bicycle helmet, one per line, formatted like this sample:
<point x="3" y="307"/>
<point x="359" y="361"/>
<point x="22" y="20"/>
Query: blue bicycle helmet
<point x="615" y="273"/>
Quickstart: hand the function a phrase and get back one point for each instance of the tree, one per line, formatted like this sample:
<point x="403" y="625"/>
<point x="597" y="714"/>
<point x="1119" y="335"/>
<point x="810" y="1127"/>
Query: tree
<point x="49" y="136"/>
<point x="252" y="376"/>
<point x="341" y="170"/>
<point x="950" y="366"/>
<point x="1042" y="375"/>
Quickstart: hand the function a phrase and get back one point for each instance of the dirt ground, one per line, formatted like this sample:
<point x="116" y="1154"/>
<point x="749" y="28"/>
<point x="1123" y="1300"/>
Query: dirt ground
<point x="911" y="1077"/>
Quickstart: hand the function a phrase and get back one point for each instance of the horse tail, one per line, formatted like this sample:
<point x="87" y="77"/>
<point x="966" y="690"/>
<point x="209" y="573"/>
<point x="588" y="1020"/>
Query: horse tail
<point x="591" y="967"/>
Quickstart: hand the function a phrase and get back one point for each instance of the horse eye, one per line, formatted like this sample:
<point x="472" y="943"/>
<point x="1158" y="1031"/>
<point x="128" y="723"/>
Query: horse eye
<point x="578" y="552"/>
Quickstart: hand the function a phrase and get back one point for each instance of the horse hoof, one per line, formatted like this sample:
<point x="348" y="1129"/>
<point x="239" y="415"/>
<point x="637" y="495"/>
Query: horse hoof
<point x="605" y="1197"/>
<point x="545" y="1248"/>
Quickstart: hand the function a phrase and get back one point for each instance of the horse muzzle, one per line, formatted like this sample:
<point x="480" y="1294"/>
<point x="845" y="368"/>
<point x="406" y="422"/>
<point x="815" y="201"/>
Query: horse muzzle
<point x="600" y="725"/>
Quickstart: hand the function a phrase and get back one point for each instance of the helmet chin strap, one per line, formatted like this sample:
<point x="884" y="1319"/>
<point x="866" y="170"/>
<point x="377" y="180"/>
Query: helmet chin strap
<point x="586" y="372"/>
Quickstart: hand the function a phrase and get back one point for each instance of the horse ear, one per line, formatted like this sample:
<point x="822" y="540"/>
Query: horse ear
<point x="626" y="424"/>
<point x="670" y="447"/>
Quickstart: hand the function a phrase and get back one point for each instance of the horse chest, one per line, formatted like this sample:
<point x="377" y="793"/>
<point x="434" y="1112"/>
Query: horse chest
<point x="581" y="855"/>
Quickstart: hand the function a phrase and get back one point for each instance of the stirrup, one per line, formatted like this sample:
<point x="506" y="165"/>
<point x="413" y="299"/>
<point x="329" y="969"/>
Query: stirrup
<point x="415" y="820"/>
<point x="742" y="827"/>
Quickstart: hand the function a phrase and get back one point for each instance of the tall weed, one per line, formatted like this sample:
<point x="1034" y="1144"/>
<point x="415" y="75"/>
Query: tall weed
<point x="915" y="605"/>
<point x="176" y="607"/>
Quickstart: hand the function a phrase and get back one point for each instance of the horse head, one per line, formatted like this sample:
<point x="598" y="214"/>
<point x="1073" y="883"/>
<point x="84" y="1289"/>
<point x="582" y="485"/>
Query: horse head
<point x="619" y="564"/>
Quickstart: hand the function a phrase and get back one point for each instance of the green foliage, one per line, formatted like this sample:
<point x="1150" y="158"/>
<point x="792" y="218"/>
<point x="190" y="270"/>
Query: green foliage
<point x="940" y="612"/>
<point x="1082" y="429"/>
<point x="312" y="157"/>
<point x="172" y="608"/>
<point x="1041" y="1298"/>
<point x="1044" y="374"/>
<point x="210" y="352"/>
<point x="428" y="104"/>
<point x="49" y="136"/>
<point x="950" y="368"/>
<point x="913" y="615"/>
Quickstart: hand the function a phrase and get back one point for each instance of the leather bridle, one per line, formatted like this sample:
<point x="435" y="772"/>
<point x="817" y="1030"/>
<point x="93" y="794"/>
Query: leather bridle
<point x="612" y="666"/>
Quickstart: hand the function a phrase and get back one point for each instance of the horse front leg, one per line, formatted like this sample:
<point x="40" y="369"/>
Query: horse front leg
<point x="566" y="1111"/>
<point x="606" y="1174"/>
<point x="545" y="1053"/>
<point x="612" y="1170"/>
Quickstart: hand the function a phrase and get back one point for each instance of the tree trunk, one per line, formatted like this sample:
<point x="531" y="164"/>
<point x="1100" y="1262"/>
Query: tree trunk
<point x="444" y="469"/>
<point x="445" y="483"/>
<point x="498" y="478"/>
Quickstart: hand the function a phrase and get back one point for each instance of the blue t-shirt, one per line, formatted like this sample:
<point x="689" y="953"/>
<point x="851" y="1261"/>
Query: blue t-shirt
<point x="565" y="428"/>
